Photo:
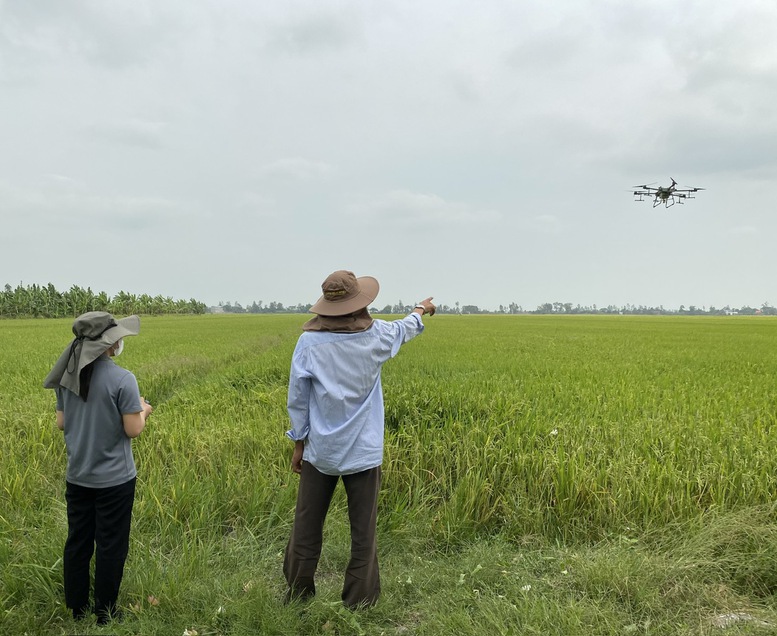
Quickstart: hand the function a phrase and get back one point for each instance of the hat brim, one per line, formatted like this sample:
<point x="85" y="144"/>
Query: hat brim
<point x="129" y="326"/>
<point x="368" y="291"/>
<point x="93" y="349"/>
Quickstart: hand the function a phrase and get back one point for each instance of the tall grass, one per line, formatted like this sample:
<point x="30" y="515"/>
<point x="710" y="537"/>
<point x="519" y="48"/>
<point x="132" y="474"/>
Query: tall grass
<point x="611" y="444"/>
<point x="577" y="428"/>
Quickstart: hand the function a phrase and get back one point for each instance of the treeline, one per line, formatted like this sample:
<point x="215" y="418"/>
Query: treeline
<point x="690" y="310"/>
<point x="36" y="301"/>
<point x="260" y="308"/>
<point x="397" y="308"/>
<point x="643" y="310"/>
<point x="513" y="308"/>
<point x="278" y="308"/>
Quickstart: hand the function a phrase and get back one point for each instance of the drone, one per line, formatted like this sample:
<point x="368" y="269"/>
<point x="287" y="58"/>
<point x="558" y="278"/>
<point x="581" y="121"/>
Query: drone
<point x="668" y="195"/>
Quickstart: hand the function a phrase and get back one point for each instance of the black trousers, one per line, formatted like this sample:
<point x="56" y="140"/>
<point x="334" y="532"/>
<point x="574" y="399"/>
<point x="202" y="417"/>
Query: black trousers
<point x="101" y="517"/>
<point x="362" y="577"/>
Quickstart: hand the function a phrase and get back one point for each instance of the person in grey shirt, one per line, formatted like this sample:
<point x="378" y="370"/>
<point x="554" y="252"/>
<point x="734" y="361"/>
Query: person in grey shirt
<point x="100" y="409"/>
<point x="335" y="404"/>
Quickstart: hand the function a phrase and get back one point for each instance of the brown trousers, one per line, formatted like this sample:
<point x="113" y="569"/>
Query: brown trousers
<point x="362" y="578"/>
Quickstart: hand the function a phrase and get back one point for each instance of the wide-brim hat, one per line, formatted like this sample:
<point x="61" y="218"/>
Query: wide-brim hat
<point x="345" y="294"/>
<point x="95" y="332"/>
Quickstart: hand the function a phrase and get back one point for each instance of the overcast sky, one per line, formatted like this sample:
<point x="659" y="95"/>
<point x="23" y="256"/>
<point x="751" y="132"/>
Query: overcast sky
<point x="480" y="152"/>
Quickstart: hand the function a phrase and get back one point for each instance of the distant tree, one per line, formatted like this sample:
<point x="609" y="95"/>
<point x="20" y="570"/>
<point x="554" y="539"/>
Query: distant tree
<point x="102" y="301"/>
<point x="237" y="308"/>
<point x="37" y="301"/>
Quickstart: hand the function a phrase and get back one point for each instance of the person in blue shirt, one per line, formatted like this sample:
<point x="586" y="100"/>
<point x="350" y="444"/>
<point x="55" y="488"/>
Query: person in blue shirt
<point x="335" y="404"/>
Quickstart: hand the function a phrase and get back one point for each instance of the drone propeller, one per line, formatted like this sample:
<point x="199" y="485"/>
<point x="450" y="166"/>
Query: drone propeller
<point x="689" y="189"/>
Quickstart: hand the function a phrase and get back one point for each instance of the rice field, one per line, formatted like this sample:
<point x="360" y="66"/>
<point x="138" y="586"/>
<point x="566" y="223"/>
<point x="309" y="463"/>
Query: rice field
<point x="543" y="474"/>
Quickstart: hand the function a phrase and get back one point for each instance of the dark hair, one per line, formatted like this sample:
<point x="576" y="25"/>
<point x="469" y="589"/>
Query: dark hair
<point x="85" y="379"/>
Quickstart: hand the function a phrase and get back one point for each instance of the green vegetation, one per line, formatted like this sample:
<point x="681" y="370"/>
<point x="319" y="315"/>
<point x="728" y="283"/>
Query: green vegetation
<point x="36" y="301"/>
<point x="570" y="475"/>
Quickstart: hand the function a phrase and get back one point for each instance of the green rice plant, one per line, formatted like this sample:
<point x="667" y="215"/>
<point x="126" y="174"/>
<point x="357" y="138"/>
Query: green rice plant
<point x="603" y="422"/>
<point x="635" y="454"/>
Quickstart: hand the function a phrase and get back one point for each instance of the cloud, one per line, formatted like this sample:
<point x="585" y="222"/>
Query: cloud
<point x="708" y="142"/>
<point x="557" y="48"/>
<point x="54" y="209"/>
<point x="297" y="169"/>
<point x="734" y="43"/>
<point x="257" y="206"/>
<point x="314" y="34"/>
<point x="547" y="223"/>
<point x="413" y="209"/>
<point x="116" y="35"/>
<point x="743" y="230"/>
<point x="60" y="181"/>
<point x="130" y="132"/>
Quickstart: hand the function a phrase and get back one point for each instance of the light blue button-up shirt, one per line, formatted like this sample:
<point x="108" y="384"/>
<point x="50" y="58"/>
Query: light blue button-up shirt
<point x="335" y="395"/>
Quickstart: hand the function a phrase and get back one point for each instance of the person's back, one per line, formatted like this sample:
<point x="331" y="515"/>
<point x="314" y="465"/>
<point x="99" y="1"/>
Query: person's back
<point x="99" y="452"/>
<point x="99" y="408"/>
<point x="336" y="409"/>
<point x="338" y="388"/>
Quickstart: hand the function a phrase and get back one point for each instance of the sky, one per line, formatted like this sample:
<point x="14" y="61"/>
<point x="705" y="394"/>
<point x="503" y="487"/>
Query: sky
<point x="483" y="152"/>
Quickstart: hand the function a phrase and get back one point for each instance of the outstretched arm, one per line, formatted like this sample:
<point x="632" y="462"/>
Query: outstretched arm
<point x="425" y="307"/>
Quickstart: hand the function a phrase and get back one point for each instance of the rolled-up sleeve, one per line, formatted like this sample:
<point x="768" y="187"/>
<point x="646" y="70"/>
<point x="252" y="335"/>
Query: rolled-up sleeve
<point x="335" y="399"/>
<point x="298" y="403"/>
<point x="405" y="330"/>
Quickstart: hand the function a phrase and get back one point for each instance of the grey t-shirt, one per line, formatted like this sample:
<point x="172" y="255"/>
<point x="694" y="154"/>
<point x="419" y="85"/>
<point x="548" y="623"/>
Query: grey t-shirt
<point x="99" y="453"/>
